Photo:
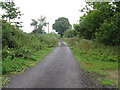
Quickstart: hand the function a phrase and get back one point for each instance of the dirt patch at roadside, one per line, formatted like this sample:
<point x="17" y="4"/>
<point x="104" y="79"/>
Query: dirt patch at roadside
<point x="92" y="76"/>
<point x="113" y="73"/>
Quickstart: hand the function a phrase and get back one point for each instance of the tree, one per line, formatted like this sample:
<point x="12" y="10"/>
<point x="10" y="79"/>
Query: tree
<point x="69" y="33"/>
<point x="11" y="12"/>
<point x="109" y="32"/>
<point x="101" y="23"/>
<point x="61" y="25"/>
<point x="39" y="25"/>
<point x="34" y="23"/>
<point x="89" y="23"/>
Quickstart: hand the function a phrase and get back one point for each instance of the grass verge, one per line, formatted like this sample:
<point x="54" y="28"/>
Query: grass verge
<point x="99" y="60"/>
<point x="21" y="50"/>
<point x="18" y="65"/>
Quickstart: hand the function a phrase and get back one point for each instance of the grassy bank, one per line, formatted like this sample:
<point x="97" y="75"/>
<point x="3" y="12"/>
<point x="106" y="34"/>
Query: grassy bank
<point x="99" y="60"/>
<point x="18" y="65"/>
<point x="21" y="50"/>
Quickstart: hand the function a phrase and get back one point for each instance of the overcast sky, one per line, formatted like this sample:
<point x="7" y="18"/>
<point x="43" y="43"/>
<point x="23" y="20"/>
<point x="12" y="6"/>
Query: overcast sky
<point x="52" y="9"/>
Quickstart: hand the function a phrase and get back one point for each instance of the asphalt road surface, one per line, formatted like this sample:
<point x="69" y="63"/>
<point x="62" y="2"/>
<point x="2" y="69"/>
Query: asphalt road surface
<point x="59" y="69"/>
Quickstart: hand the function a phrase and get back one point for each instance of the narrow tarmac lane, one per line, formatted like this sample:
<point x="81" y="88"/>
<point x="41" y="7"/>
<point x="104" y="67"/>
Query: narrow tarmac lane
<point x="59" y="69"/>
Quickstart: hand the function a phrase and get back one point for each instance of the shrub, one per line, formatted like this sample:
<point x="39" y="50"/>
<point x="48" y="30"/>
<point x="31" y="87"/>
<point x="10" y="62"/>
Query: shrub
<point x="20" y="47"/>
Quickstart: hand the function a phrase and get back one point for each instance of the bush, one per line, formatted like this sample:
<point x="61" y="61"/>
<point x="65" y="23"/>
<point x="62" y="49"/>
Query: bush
<point x="94" y="50"/>
<point x="20" y="47"/>
<point x="69" y="33"/>
<point x="109" y="31"/>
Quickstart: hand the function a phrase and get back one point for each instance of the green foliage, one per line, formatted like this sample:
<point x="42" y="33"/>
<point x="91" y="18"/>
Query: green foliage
<point x="89" y="23"/>
<point x="18" y="64"/>
<point x="95" y="50"/>
<point x="109" y="31"/>
<point x="23" y="49"/>
<point x="61" y="25"/>
<point x="11" y="12"/>
<point x="39" y="25"/>
<point x="105" y="82"/>
<point x="69" y="33"/>
<point x="95" y="58"/>
<point x="3" y="80"/>
<point x="101" y="23"/>
<point x="8" y="33"/>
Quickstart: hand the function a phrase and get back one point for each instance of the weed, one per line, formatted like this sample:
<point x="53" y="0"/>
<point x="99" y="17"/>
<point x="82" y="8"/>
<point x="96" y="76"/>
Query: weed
<point x="105" y="82"/>
<point x="21" y="50"/>
<point x="95" y="58"/>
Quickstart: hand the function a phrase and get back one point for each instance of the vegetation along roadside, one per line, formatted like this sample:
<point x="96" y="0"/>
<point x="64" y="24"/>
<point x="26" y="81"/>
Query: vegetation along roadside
<point x="21" y="50"/>
<point x="95" y="41"/>
<point x="100" y="61"/>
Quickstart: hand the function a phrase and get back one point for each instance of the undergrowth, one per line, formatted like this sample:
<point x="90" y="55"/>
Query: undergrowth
<point x="21" y="50"/>
<point x="96" y="58"/>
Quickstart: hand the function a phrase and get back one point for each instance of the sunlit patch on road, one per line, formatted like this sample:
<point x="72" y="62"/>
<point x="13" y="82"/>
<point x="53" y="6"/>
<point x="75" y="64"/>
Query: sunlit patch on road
<point x="61" y="44"/>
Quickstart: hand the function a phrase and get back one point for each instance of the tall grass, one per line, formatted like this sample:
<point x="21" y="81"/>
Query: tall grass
<point x="21" y="50"/>
<point x="96" y="58"/>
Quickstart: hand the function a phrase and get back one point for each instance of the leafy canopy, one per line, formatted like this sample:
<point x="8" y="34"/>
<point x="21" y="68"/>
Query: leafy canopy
<point x="100" y="23"/>
<point x="39" y="25"/>
<point x="61" y="25"/>
<point x="11" y="13"/>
